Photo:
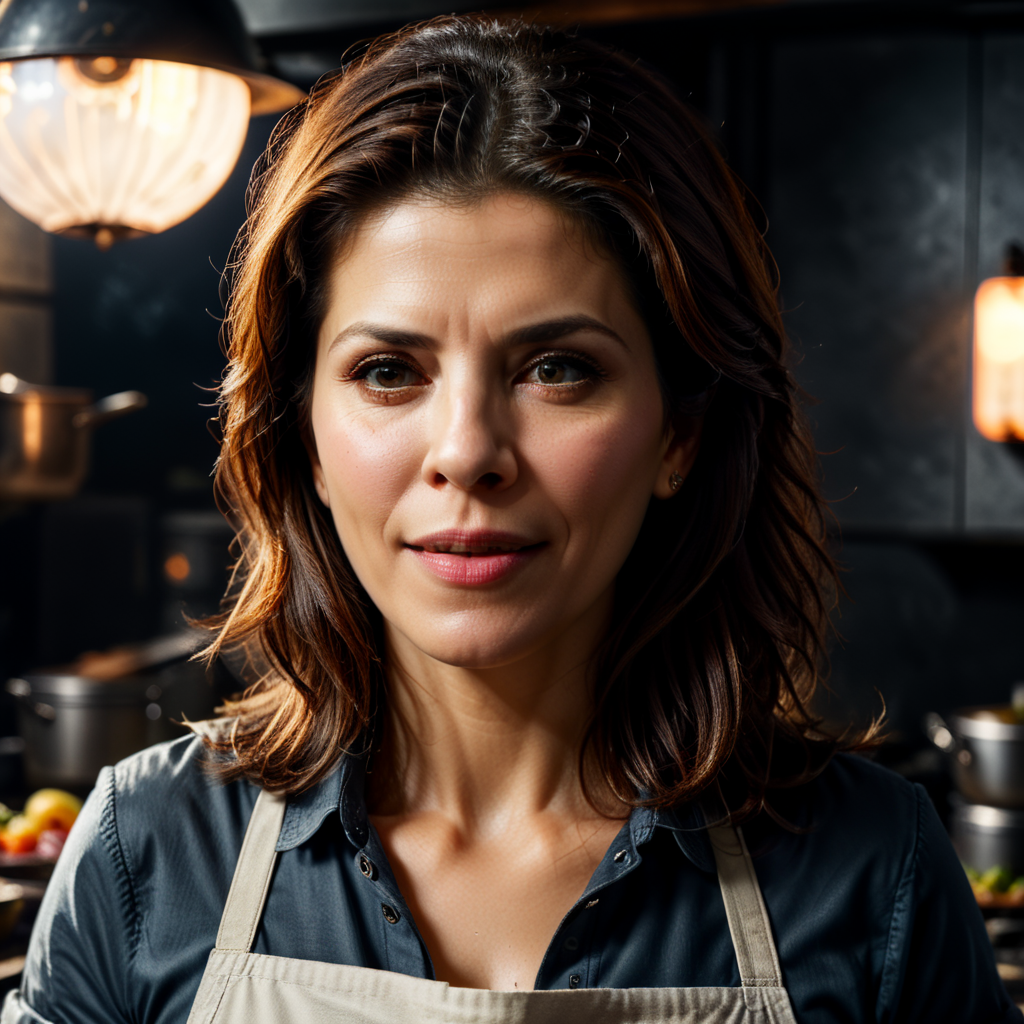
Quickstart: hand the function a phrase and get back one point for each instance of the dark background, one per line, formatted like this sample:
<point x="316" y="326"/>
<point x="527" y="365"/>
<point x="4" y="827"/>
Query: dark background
<point x="886" y="145"/>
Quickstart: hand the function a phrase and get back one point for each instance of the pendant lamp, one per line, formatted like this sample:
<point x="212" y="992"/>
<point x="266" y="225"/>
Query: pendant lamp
<point x="120" y="118"/>
<point x="999" y="352"/>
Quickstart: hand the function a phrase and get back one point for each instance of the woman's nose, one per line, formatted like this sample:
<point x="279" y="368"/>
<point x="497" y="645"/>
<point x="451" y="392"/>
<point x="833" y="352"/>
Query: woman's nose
<point x="471" y="442"/>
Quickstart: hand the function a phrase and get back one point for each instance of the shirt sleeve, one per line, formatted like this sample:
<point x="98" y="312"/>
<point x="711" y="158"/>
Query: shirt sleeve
<point x="78" y="966"/>
<point x="939" y="963"/>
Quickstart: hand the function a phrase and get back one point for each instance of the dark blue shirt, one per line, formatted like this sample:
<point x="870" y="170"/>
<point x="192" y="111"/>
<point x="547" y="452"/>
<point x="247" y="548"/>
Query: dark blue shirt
<point x="871" y="912"/>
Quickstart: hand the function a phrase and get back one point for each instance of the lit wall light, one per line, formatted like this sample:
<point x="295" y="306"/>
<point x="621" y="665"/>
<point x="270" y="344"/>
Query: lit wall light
<point x="120" y="118"/>
<point x="177" y="567"/>
<point x="999" y="352"/>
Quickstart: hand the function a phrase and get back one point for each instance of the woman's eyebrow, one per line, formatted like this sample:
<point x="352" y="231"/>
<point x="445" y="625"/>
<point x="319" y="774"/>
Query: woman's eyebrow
<point x="533" y="334"/>
<point x="552" y="330"/>
<point x="380" y="332"/>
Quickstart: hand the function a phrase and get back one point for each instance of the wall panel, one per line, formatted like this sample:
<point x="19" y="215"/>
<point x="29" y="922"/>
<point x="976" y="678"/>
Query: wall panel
<point x="867" y="204"/>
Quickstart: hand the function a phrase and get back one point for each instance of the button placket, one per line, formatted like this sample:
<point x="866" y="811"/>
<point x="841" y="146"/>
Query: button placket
<point x="562" y="963"/>
<point x="623" y="862"/>
<point x="580" y="942"/>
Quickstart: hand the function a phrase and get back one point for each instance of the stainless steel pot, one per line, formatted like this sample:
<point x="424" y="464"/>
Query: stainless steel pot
<point x="44" y="436"/>
<point x="104" y="707"/>
<point x="73" y="726"/>
<point x="988" y="837"/>
<point x="987" y="753"/>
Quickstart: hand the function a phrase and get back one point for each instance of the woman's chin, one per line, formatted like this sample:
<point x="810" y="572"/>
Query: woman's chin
<point x="472" y="645"/>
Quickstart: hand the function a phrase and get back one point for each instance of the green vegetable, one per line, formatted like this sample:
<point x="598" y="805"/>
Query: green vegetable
<point x="972" y="875"/>
<point x="997" y="879"/>
<point x="5" y="814"/>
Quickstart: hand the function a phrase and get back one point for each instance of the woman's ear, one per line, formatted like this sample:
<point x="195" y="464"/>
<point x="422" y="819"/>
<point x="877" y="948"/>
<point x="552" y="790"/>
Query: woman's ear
<point x="319" y="483"/>
<point x="679" y="457"/>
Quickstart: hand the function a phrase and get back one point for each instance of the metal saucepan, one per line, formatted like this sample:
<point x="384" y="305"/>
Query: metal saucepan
<point x="73" y="726"/>
<point x="986" y="747"/>
<point x="104" y="707"/>
<point x="988" y="837"/>
<point x="44" y="436"/>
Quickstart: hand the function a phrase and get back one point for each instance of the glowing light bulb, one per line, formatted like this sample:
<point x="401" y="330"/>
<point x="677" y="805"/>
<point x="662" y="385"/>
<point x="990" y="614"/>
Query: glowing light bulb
<point x="999" y="358"/>
<point x="111" y="147"/>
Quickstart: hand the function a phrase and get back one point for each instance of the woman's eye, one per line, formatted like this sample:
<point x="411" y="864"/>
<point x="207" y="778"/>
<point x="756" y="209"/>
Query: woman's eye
<point x="388" y="376"/>
<point x="559" y="371"/>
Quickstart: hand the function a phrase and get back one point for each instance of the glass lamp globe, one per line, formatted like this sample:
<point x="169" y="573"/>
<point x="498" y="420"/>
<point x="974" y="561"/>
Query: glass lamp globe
<point x="114" y="147"/>
<point x="999" y="358"/>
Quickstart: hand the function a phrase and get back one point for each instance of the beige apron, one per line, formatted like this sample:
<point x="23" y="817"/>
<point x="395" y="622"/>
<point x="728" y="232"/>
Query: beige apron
<point x="240" y="987"/>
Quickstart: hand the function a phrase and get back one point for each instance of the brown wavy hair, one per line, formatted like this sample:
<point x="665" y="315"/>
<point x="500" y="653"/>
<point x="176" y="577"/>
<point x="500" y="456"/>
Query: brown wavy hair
<point x="706" y="677"/>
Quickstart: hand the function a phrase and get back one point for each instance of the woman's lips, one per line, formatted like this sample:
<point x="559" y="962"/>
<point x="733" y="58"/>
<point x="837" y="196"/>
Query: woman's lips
<point x="472" y="558"/>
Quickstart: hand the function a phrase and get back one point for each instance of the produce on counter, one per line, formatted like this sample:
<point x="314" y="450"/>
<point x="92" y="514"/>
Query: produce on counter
<point x="996" y="886"/>
<point x="52" y="809"/>
<point x="42" y="826"/>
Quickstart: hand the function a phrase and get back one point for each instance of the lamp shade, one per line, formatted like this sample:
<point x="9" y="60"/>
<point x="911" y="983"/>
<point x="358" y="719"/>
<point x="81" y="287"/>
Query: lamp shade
<point x="123" y="117"/>
<point x="999" y="359"/>
<point x="115" y="148"/>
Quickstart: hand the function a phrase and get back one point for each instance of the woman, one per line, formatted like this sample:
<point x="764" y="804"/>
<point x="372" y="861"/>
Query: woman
<point x="533" y="580"/>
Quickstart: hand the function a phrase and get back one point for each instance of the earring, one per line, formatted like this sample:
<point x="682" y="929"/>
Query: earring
<point x="675" y="481"/>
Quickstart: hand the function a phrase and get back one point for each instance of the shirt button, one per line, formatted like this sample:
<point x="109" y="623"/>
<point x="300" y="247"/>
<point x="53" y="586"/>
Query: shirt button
<point x="621" y="857"/>
<point x="390" y="914"/>
<point x="367" y="868"/>
<point x="571" y="944"/>
<point x="574" y="981"/>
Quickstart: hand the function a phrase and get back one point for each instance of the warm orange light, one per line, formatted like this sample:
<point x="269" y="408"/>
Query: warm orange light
<point x="32" y="428"/>
<point x="107" y="145"/>
<point x="177" y="568"/>
<point x="999" y="359"/>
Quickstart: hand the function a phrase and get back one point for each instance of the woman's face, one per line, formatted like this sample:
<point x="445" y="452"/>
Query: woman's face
<point x="487" y="427"/>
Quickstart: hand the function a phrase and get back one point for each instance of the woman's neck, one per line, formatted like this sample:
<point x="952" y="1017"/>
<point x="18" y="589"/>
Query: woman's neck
<point x="486" y="748"/>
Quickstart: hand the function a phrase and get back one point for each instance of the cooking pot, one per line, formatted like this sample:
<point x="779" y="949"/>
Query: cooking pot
<point x="106" y="706"/>
<point x="44" y="436"/>
<point x="986" y="747"/>
<point x="988" y="837"/>
<point x="73" y="726"/>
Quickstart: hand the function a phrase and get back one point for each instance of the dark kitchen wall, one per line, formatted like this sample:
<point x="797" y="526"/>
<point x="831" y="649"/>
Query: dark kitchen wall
<point x="895" y="181"/>
<point x="885" y="143"/>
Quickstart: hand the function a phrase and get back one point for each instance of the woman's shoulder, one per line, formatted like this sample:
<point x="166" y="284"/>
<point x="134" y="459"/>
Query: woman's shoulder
<point x="868" y="877"/>
<point x="166" y="793"/>
<point x="855" y="813"/>
<point x="854" y="790"/>
<point x="157" y="834"/>
<point x="176" y="769"/>
<point x="852" y="794"/>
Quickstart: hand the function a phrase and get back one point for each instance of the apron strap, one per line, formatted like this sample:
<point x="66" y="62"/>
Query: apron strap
<point x="744" y="907"/>
<point x="251" y="881"/>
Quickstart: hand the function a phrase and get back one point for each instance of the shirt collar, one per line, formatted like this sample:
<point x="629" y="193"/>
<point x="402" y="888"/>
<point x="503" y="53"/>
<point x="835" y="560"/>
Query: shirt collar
<point x="689" y="829"/>
<point x="343" y="791"/>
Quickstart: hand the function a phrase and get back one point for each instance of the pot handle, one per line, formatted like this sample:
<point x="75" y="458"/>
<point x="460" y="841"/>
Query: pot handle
<point x="943" y="737"/>
<point x="22" y="691"/>
<point x="110" y="408"/>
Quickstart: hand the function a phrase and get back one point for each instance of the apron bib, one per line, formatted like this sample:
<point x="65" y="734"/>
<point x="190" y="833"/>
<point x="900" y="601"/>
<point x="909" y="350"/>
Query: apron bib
<point x="240" y="987"/>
